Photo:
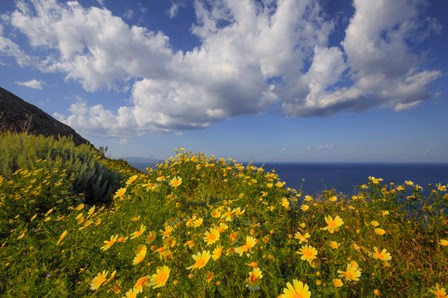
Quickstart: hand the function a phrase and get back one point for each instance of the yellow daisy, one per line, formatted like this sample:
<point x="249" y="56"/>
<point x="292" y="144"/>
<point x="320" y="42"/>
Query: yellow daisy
<point x="217" y="253"/>
<point x="175" y="182"/>
<point x="250" y="243"/>
<point x="201" y="260"/>
<point x="211" y="236"/>
<point x="254" y="279"/>
<point x="108" y="243"/>
<point x="352" y="273"/>
<point x="443" y="242"/>
<point x="140" y="256"/>
<point x="380" y="231"/>
<point x="98" y="280"/>
<point x="61" y="238"/>
<point x="333" y="225"/>
<point x="382" y="255"/>
<point x="141" y="282"/>
<point x="296" y="289"/>
<point x="159" y="279"/>
<point x="138" y="233"/>
<point x="337" y="282"/>
<point x="438" y="291"/>
<point x="302" y="238"/>
<point x="118" y="195"/>
<point x="308" y="253"/>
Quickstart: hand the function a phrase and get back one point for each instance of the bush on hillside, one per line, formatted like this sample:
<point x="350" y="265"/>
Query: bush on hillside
<point x="84" y="166"/>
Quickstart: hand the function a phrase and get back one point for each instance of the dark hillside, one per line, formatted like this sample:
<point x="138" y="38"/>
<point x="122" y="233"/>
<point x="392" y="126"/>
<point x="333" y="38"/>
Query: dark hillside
<point x="18" y="115"/>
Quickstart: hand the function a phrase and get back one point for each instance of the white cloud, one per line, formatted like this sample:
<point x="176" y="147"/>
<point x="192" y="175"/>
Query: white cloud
<point x="128" y="14"/>
<point x="252" y="55"/>
<point x="174" y="8"/>
<point x="123" y="141"/>
<point x="326" y="146"/>
<point x="35" y="84"/>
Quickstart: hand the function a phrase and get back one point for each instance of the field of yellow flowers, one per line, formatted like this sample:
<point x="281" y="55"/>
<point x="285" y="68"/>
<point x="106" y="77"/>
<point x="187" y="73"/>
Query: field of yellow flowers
<point x="197" y="226"/>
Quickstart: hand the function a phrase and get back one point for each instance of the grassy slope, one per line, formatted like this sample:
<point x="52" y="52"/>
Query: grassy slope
<point x="178" y="205"/>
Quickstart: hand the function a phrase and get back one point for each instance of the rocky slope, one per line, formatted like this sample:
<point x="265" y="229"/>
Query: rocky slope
<point x="19" y="115"/>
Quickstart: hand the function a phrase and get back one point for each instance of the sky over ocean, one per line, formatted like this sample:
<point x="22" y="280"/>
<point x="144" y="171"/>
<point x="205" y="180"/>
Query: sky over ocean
<point x="265" y="80"/>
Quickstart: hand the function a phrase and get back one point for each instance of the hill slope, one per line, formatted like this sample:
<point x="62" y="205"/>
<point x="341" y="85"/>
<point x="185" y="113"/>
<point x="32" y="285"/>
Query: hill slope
<point x="18" y="115"/>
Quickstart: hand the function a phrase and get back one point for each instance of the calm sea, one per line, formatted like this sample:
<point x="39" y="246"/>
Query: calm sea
<point x="345" y="176"/>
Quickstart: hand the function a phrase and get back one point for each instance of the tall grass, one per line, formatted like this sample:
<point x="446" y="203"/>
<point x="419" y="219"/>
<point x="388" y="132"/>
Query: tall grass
<point x="197" y="226"/>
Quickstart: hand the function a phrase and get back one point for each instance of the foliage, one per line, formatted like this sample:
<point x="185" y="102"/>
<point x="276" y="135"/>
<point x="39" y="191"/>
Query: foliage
<point x="84" y="166"/>
<point x="162" y="234"/>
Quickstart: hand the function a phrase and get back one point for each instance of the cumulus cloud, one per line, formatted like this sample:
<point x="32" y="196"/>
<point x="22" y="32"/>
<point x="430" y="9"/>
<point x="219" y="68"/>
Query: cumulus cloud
<point x="252" y="55"/>
<point x="35" y="84"/>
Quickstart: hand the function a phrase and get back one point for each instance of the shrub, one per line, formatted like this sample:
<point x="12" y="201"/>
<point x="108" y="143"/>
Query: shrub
<point x="84" y="166"/>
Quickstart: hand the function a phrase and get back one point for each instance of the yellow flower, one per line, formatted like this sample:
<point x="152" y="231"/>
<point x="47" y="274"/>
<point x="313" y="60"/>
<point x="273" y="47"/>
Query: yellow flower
<point x="139" y="232"/>
<point x="443" y="242"/>
<point x="380" y="231"/>
<point x="353" y="272"/>
<point x="285" y="203"/>
<point x="333" y="225"/>
<point x="374" y="223"/>
<point x="308" y="253"/>
<point x="142" y="281"/>
<point x="438" y="291"/>
<point x="61" y="238"/>
<point x="222" y="227"/>
<point x="175" y="182"/>
<point x="167" y="231"/>
<point x="337" y="282"/>
<point x="211" y="236"/>
<point x="198" y="222"/>
<point x="141" y="254"/>
<point x="109" y="243"/>
<point x="209" y="277"/>
<point x="23" y="234"/>
<point x="253" y="264"/>
<point x="334" y="244"/>
<point x="333" y="198"/>
<point x="217" y="253"/>
<point x="159" y="279"/>
<point x="131" y="179"/>
<point x="304" y="207"/>
<point x="254" y="279"/>
<point x="297" y="289"/>
<point x="201" y="260"/>
<point x="98" y="280"/>
<point x="216" y="213"/>
<point x="302" y="238"/>
<point x="308" y="198"/>
<point x="382" y="255"/>
<point x="441" y="187"/>
<point x="91" y="211"/>
<point x="151" y="236"/>
<point x="119" y="194"/>
<point x="250" y="243"/>
<point x="279" y="184"/>
<point x="228" y="215"/>
<point x="132" y="293"/>
<point x="79" y="207"/>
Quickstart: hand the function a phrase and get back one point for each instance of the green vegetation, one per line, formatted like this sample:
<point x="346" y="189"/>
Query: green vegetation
<point x="197" y="226"/>
<point x="82" y="165"/>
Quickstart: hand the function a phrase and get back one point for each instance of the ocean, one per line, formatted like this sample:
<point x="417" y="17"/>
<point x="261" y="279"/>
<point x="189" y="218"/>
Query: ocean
<point x="344" y="177"/>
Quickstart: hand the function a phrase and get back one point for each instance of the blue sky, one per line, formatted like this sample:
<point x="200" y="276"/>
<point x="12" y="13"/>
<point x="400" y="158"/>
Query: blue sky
<point x="266" y="80"/>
